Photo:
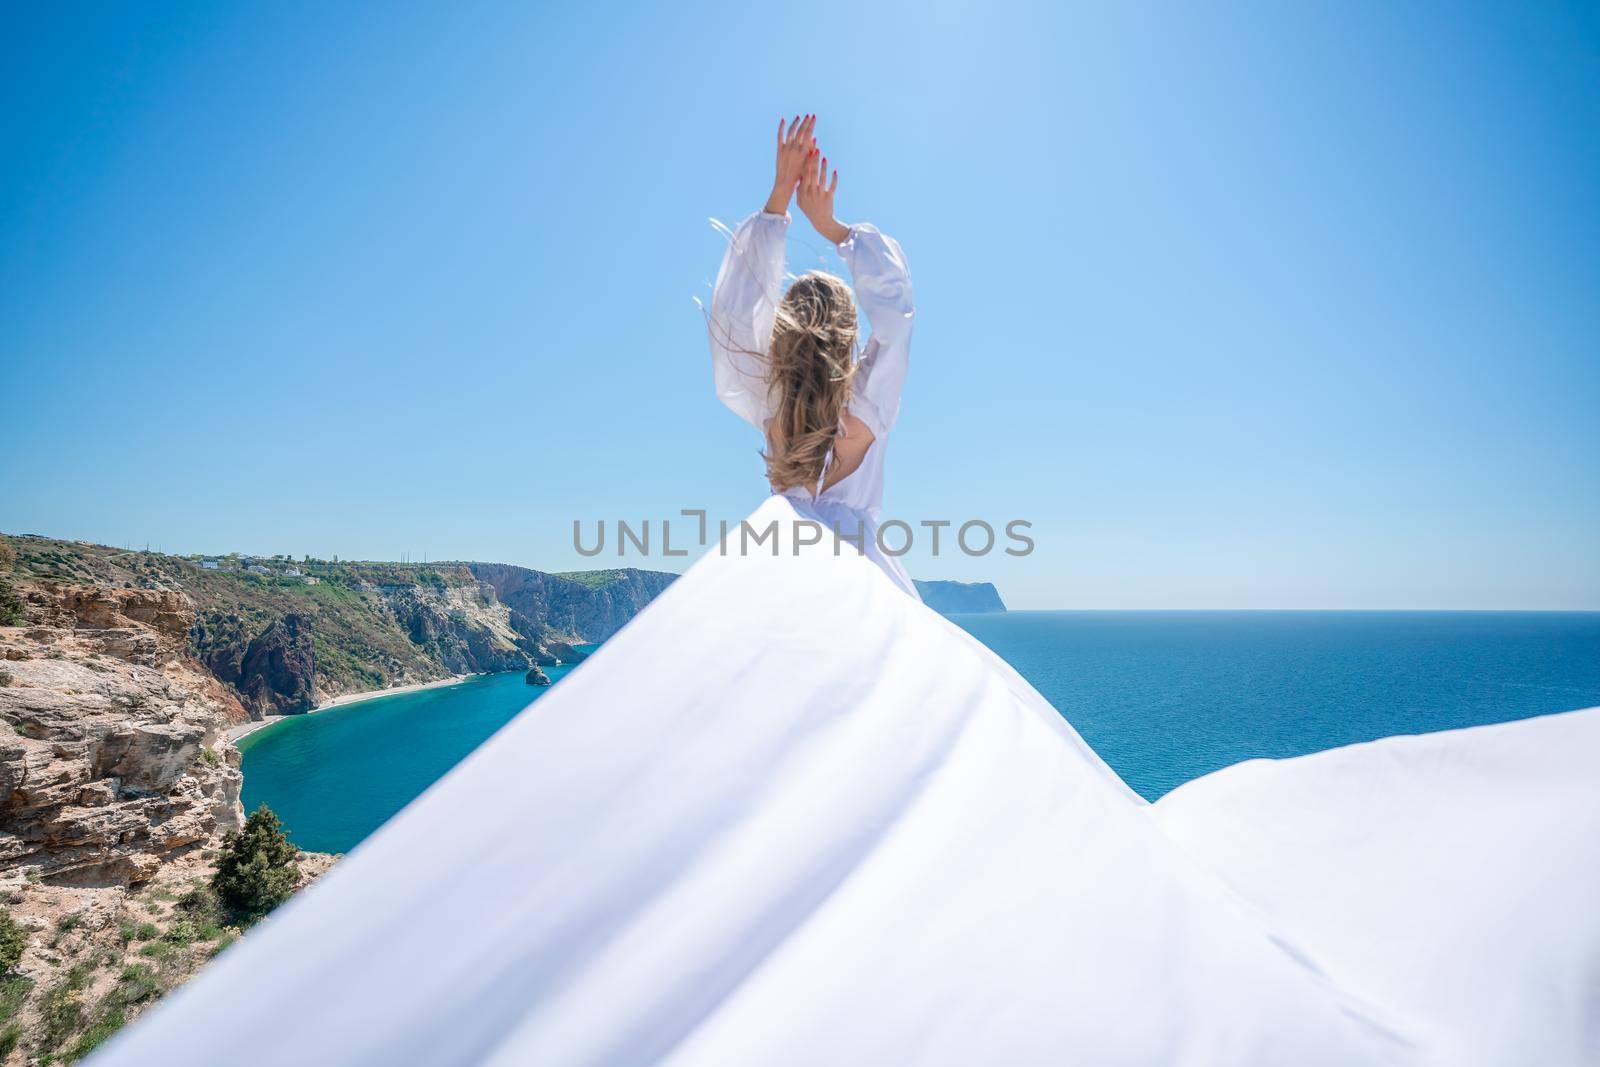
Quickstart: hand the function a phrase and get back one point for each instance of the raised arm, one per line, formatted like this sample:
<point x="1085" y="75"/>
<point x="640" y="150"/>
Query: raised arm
<point x="882" y="284"/>
<point x="749" y="286"/>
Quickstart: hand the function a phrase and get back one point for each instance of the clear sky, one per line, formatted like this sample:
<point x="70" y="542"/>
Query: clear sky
<point x="1247" y="308"/>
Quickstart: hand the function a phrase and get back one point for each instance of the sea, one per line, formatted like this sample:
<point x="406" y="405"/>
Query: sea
<point x="1163" y="696"/>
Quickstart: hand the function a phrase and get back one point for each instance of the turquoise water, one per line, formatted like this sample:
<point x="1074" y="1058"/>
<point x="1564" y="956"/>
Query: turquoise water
<point x="336" y="776"/>
<point x="1163" y="696"/>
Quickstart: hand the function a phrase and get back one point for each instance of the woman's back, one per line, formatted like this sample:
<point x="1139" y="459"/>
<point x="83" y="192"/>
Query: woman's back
<point x="744" y="306"/>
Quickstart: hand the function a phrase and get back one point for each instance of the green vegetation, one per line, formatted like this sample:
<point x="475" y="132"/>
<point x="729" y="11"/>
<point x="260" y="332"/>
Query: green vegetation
<point x="256" y="871"/>
<point x="13" y="991"/>
<point x="595" y="579"/>
<point x="137" y="985"/>
<point x="13" y="942"/>
<point x="99" y="986"/>
<point x="106" y="1022"/>
<point x="61" y="1010"/>
<point x="160" y="951"/>
<point x="12" y="610"/>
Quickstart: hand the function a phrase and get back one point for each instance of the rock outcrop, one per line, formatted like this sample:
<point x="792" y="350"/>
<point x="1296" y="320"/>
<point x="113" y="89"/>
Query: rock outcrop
<point x="536" y="676"/>
<point x="591" y="605"/>
<point x="951" y="598"/>
<point x="279" y="667"/>
<point x="113" y="751"/>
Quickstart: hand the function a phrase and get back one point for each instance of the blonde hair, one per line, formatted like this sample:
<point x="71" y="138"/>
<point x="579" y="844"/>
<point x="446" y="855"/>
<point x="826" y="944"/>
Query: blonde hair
<point x="810" y="367"/>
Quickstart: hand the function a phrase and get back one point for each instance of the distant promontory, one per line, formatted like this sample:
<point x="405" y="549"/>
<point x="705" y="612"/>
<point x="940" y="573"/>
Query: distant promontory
<point x="953" y="598"/>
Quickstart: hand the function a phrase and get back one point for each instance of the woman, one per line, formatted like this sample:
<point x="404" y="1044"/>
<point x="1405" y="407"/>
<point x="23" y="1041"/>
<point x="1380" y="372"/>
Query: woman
<point x="786" y="362"/>
<point x="788" y="815"/>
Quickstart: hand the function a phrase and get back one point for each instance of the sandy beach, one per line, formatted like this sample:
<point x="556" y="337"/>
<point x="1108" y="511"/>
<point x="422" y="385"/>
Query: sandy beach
<point x="245" y="729"/>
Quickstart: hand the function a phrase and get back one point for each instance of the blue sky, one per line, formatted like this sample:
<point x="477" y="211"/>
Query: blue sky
<point x="1243" y="307"/>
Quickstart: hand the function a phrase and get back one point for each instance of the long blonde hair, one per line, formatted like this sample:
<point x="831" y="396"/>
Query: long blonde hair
<point x="810" y="367"/>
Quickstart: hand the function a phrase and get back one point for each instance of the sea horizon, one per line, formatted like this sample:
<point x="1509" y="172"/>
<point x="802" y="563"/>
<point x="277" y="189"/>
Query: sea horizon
<point x="1163" y="695"/>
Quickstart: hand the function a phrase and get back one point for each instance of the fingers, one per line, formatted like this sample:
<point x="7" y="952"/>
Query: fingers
<point x="833" y="184"/>
<point x="800" y="132"/>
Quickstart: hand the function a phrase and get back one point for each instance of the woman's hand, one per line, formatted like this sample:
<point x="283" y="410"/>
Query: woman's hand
<point x="794" y="148"/>
<point x="816" y="197"/>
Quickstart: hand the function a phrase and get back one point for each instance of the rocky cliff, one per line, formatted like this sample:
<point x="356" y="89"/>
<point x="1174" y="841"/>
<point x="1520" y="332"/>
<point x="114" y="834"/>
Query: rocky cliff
<point x="113" y="754"/>
<point x="122" y="672"/>
<point x="284" y="637"/>
<point x="590" y="605"/>
<point x="954" y="597"/>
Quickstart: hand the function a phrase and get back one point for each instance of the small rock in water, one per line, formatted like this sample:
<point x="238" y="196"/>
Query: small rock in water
<point x="537" y="677"/>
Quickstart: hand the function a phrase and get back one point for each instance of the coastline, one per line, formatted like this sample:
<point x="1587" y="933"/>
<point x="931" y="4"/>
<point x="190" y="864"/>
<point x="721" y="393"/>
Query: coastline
<point x="245" y="729"/>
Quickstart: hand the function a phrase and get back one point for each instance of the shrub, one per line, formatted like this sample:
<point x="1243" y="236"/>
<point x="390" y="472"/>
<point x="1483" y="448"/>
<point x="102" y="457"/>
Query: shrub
<point x="146" y="931"/>
<point x="106" y="1023"/>
<point x="160" y="951"/>
<point x="180" y="933"/>
<point x="137" y="984"/>
<point x="12" y="610"/>
<point x="200" y="900"/>
<point x="256" y="871"/>
<point x="60" y="1013"/>
<point x="13" y="940"/>
<point x="13" y="991"/>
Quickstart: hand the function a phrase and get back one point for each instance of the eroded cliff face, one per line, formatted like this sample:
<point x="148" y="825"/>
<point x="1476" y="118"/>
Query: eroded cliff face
<point x="272" y="672"/>
<point x="465" y="626"/>
<point x="365" y="635"/>
<point x="590" y="607"/>
<point x="113" y="749"/>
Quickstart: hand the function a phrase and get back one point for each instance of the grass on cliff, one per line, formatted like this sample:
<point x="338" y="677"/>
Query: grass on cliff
<point x="595" y="579"/>
<point x="109" y="972"/>
<point x="115" y="974"/>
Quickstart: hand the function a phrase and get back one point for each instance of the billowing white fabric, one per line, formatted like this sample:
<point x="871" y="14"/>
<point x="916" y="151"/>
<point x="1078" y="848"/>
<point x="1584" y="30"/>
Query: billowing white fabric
<point x="1452" y="877"/>
<point x="789" y="815"/>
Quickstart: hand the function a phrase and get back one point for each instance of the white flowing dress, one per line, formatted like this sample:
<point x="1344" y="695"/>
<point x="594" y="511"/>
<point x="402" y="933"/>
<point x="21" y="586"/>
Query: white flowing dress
<point x="791" y="816"/>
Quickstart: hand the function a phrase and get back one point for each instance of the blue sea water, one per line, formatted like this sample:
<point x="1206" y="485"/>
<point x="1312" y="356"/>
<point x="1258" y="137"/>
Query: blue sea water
<point x="1166" y="696"/>
<point x="1162" y="696"/>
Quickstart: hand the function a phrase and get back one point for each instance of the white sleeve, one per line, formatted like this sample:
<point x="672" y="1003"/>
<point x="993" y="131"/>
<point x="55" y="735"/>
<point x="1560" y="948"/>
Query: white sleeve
<point x="743" y="307"/>
<point x="883" y="293"/>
